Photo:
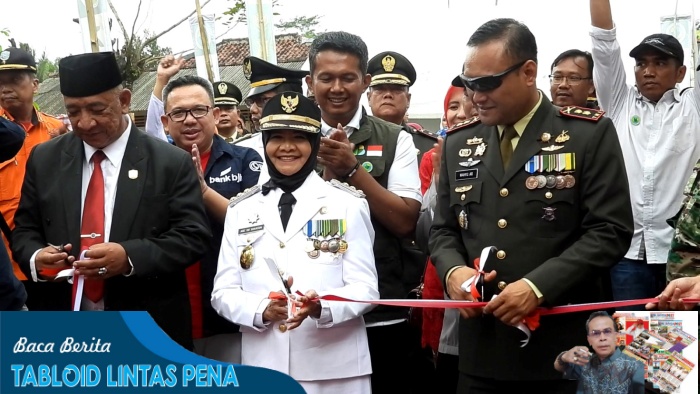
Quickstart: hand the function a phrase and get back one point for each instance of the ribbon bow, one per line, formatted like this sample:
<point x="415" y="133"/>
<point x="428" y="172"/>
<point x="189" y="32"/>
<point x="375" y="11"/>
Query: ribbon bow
<point x="470" y="286"/>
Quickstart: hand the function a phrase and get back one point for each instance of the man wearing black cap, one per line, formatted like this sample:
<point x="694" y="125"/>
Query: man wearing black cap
<point x="18" y="84"/>
<point x="125" y="210"/>
<point x="389" y="96"/>
<point x="266" y="81"/>
<point x="227" y="97"/>
<point x="657" y="125"/>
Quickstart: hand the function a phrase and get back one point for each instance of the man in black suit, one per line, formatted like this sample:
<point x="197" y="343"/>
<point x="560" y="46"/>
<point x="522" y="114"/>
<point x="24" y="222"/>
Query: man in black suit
<point x="154" y="224"/>
<point x="545" y="186"/>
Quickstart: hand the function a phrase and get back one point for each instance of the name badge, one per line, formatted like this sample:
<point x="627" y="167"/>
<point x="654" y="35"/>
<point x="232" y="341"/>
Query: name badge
<point x="472" y="173"/>
<point x="248" y="230"/>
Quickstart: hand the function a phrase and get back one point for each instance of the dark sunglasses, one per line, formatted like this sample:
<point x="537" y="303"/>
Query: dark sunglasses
<point x="490" y="82"/>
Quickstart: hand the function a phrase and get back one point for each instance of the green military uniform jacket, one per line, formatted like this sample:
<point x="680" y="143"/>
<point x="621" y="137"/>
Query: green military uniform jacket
<point x="562" y="233"/>
<point x="684" y="256"/>
<point x="375" y="132"/>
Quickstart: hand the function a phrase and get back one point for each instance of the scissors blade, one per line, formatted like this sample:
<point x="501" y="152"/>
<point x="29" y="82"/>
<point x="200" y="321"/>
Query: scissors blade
<point x="274" y="270"/>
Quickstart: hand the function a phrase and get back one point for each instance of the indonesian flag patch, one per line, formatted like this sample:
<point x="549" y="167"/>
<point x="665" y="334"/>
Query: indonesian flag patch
<point x="374" y="150"/>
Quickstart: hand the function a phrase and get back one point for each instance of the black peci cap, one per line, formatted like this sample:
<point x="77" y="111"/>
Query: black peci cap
<point x="88" y="74"/>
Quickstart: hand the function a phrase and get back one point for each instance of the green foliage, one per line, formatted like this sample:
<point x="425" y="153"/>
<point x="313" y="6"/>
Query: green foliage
<point x="4" y="32"/>
<point x="134" y="57"/>
<point x="304" y="25"/>
<point x="46" y="68"/>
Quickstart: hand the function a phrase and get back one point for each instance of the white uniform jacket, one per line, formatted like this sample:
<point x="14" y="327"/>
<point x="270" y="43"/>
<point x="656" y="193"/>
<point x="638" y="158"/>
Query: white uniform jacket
<point x="332" y="347"/>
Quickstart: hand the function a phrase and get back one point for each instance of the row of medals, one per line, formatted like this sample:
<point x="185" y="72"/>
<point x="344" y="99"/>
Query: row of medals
<point x="551" y="181"/>
<point x="314" y="246"/>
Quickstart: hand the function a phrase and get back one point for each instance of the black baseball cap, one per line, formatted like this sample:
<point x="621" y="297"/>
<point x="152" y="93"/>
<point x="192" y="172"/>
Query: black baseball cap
<point x="664" y="43"/>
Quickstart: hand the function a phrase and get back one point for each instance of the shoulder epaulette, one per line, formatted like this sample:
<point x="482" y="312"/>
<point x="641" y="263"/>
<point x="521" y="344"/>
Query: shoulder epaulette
<point x="589" y="114"/>
<point x="474" y="120"/>
<point x="424" y="134"/>
<point x="242" y="196"/>
<point x="347" y="188"/>
<point x="245" y="137"/>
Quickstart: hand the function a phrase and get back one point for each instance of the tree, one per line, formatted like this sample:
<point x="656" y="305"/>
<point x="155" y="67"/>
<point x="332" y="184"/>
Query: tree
<point x="137" y="54"/>
<point x="46" y="68"/>
<point x="4" y="32"/>
<point x="304" y="25"/>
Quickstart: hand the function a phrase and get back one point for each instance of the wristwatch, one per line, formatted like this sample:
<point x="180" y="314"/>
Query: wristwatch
<point x="560" y="360"/>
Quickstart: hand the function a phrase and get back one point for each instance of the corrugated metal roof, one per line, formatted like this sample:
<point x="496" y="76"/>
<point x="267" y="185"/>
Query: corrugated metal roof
<point x="50" y="100"/>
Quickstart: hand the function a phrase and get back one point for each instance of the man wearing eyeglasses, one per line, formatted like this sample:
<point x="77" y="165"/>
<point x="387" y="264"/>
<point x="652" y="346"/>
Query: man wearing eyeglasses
<point x="266" y="81"/>
<point x="542" y="185"/>
<point x="227" y="169"/>
<point x="607" y="369"/>
<point x="657" y="125"/>
<point x="571" y="81"/>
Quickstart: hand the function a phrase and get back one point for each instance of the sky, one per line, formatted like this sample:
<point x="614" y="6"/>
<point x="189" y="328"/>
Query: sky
<point x="432" y="34"/>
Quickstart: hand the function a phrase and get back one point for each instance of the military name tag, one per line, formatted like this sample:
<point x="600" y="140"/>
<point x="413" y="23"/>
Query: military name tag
<point x="472" y="173"/>
<point x="248" y="230"/>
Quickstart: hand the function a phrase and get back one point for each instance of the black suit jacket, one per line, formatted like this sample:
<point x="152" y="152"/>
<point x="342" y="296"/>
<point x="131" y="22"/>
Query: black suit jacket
<point x="567" y="258"/>
<point x="158" y="218"/>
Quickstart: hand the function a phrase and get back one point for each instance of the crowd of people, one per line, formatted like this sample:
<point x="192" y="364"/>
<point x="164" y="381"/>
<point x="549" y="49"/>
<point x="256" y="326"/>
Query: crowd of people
<point x="230" y="238"/>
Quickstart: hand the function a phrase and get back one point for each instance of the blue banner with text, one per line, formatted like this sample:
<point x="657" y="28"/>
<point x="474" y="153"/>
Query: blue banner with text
<point x="114" y="352"/>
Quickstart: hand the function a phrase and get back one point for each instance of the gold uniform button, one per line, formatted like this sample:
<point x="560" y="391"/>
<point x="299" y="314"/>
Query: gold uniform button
<point x="281" y="245"/>
<point x="502" y="223"/>
<point x="283" y="328"/>
<point x="501" y="255"/>
<point x="503" y="192"/>
<point x="548" y="195"/>
<point x="502" y="285"/>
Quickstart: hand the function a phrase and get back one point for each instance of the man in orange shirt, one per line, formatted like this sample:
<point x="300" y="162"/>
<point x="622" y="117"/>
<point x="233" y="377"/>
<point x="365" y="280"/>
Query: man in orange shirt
<point x="18" y="84"/>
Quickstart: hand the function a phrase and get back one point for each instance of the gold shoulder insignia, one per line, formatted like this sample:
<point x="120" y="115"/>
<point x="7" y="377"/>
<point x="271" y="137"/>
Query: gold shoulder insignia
<point x="347" y="188"/>
<point x="245" y="137"/>
<point x="242" y="196"/>
<point x="590" y="114"/>
<point x="463" y="125"/>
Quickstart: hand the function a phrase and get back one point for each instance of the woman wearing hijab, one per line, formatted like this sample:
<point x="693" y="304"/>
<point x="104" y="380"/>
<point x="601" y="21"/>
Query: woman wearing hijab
<point x="287" y="243"/>
<point x="439" y="331"/>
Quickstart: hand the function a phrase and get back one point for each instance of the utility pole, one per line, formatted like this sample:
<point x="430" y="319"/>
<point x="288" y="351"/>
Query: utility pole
<point x="205" y="42"/>
<point x="261" y="24"/>
<point x="90" y="8"/>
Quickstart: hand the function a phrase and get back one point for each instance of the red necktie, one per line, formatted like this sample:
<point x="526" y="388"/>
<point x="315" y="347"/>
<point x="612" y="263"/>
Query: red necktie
<point x="92" y="230"/>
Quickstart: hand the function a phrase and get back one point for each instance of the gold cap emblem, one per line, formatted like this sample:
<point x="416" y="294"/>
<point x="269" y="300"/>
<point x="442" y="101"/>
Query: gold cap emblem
<point x="388" y="63"/>
<point x="247" y="69"/>
<point x="289" y="103"/>
<point x="223" y="88"/>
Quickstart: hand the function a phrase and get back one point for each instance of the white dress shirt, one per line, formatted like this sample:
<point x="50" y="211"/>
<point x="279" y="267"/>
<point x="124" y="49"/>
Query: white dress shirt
<point x="403" y="180"/>
<point x="660" y="144"/>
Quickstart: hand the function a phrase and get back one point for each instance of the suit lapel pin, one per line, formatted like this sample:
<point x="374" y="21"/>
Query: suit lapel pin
<point x="133" y="174"/>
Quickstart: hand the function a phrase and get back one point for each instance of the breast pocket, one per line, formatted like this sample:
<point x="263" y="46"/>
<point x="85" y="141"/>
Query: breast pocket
<point x="464" y="198"/>
<point x="685" y="135"/>
<point x="552" y="217"/>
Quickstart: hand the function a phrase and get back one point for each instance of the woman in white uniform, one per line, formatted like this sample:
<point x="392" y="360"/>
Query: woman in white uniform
<point x="324" y="246"/>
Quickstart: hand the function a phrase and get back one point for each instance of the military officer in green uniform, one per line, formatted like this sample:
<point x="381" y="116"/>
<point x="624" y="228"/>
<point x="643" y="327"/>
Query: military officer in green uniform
<point x="546" y="188"/>
<point x="378" y="158"/>
<point x="227" y="97"/>
<point x="389" y="96"/>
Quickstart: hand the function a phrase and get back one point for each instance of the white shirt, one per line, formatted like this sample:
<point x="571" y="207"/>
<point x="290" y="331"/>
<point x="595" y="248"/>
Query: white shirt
<point x="154" y="126"/>
<point x="660" y="144"/>
<point x="403" y="179"/>
<point x="403" y="176"/>
<point x="110" y="171"/>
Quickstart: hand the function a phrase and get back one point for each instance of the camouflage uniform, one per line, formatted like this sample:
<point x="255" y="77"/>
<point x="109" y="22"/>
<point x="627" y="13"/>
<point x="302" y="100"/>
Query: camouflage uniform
<point x="684" y="256"/>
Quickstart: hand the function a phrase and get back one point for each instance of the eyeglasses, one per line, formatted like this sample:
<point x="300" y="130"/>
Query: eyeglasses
<point x="490" y="82"/>
<point x="573" y="80"/>
<point x="260" y="101"/>
<point x="179" y="115"/>
<point x="597" y="333"/>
